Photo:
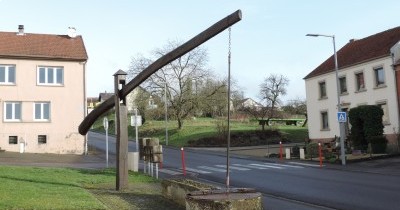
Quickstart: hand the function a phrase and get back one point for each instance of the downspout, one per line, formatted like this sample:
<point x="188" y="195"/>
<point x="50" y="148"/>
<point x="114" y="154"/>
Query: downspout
<point x="85" y="107"/>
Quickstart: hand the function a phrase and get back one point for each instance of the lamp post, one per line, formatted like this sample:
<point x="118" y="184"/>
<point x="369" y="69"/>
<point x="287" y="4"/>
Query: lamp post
<point x="341" y="124"/>
<point x="166" y="113"/>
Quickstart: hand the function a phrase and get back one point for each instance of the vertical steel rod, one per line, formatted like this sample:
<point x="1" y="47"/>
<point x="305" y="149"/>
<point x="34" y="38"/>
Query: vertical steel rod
<point x="166" y="114"/>
<point x="229" y="112"/>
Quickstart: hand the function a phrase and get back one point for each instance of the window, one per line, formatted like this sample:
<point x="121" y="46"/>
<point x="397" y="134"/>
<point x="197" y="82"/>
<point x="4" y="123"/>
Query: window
<point x="7" y="74"/>
<point x="322" y="90"/>
<point x="13" y="140"/>
<point x="42" y="111"/>
<point x="379" y="77"/>
<point x="42" y="139"/>
<point x="324" y="121"/>
<point x="384" y="107"/>
<point x="50" y="76"/>
<point x="342" y="85"/>
<point x="360" y="81"/>
<point x="12" y="111"/>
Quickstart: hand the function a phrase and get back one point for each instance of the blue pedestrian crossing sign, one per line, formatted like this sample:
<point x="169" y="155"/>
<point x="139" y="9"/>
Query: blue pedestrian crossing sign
<point x="341" y="117"/>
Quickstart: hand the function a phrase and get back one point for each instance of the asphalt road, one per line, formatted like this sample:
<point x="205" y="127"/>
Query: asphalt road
<point x="285" y="185"/>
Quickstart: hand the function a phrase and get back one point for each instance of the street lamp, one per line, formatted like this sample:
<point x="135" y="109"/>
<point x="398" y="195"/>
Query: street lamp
<point x="341" y="124"/>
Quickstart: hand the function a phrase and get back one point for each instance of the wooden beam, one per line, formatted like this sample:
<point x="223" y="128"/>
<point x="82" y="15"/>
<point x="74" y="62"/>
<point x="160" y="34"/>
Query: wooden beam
<point x="158" y="64"/>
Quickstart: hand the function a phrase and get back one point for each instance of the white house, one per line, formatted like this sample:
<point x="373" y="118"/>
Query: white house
<point x="42" y="92"/>
<point x="366" y="77"/>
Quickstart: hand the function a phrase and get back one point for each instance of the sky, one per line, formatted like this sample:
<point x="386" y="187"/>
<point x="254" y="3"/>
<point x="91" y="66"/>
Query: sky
<point x="270" y="38"/>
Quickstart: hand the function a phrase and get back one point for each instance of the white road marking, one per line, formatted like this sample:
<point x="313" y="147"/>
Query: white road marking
<point x="212" y="169"/>
<point x="250" y="166"/>
<point x="268" y="166"/>
<point x="233" y="167"/>
<point x="197" y="171"/>
<point x="305" y="164"/>
<point x="283" y="165"/>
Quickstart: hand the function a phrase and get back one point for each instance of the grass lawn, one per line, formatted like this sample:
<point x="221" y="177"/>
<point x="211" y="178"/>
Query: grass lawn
<point x="60" y="188"/>
<point x="199" y="128"/>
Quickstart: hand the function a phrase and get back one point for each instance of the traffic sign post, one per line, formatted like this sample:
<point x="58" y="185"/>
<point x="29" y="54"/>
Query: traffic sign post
<point x="136" y="121"/>
<point x="105" y="125"/>
<point x="342" y="116"/>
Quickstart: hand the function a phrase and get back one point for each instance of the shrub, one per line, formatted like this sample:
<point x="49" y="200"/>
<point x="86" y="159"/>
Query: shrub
<point x="357" y="135"/>
<point x="312" y="150"/>
<point x="222" y="128"/>
<point x="366" y="122"/>
<point x="329" y="155"/>
<point x="378" y="144"/>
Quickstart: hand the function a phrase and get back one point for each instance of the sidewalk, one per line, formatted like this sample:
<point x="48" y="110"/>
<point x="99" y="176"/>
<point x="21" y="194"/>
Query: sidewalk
<point x="91" y="161"/>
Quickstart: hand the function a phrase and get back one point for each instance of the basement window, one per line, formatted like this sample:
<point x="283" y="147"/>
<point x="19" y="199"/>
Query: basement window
<point x="13" y="139"/>
<point x="42" y="139"/>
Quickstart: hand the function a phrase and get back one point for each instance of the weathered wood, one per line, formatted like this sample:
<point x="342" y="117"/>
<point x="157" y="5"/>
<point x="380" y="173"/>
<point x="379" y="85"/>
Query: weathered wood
<point x="121" y="113"/>
<point x="158" y="64"/>
<point x="122" y="182"/>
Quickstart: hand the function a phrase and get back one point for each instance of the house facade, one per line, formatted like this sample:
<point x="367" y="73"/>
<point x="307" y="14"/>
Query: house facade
<point x="42" y="92"/>
<point x="366" y="77"/>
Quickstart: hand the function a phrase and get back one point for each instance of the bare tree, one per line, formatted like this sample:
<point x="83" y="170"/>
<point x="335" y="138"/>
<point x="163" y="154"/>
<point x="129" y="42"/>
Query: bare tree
<point x="273" y="87"/>
<point x="212" y="98"/>
<point x="177" y="77"/>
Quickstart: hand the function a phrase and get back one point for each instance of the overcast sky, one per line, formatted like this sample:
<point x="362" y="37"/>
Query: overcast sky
<point x="270" y="39"/>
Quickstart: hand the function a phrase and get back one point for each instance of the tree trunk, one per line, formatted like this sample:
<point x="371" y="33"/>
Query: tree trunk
<point x="305" y="122"/>
<point x="180" y="123"/>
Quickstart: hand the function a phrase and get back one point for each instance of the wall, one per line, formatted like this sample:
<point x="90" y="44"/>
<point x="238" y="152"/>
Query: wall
<point x="67" y="109"/>
<point x="371" y="96"/>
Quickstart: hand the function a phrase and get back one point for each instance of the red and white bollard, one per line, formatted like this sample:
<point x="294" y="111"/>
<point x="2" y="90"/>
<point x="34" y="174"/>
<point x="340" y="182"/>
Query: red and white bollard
<point x="183" y="162"/>
<point x="320" y="154"/>
<point x="280" y="150"/>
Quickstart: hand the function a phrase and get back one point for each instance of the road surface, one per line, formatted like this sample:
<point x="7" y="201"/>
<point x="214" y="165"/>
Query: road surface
<point x="284" y="185"/>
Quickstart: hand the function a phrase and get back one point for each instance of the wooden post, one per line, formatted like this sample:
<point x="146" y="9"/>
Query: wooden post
<point x="121" y="130"/>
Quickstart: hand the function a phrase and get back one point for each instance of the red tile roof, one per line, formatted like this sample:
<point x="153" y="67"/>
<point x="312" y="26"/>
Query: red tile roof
<point x="358" y="51"/>
<point x="42" y="46"/>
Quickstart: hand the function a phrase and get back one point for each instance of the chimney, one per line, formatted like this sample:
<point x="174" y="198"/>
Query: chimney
<point x="352" y="40"/>
<point x="20" y="30"/>
<point x="71" y="32"/>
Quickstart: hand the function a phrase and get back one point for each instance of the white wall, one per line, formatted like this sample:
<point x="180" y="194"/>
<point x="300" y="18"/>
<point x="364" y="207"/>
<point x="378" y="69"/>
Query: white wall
<point x="371" y="96"/>
<point x="67" y="109"/>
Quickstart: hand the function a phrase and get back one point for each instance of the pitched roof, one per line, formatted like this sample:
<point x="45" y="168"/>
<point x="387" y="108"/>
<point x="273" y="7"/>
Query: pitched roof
<point x="105" y="96"/>
<point x="358" y="51"/>
<point x="42" y="46"/>
<point x="92" y="99"/>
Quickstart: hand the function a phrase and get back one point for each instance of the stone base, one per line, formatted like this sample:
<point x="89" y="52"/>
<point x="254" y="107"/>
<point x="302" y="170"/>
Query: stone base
<point x="177" y="189"/>
<point x="235" y="199"/>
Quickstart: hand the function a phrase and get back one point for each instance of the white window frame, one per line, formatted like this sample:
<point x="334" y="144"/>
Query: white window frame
<point x="46" y="76"/>
<point x="376" y="69"/>
<point x="343" y="92"/>
<point x="385" y="117"/>
<point x="42" y="114"/>
<point x="322" y="120"/>
<point x="359" y="87"/>
<point x="320" y="90"/>
<point x="13" y="117"/>
<point x="7" y="73"/>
